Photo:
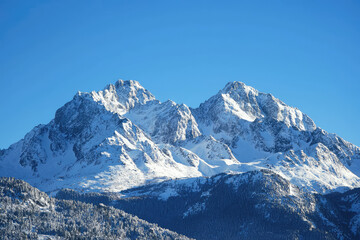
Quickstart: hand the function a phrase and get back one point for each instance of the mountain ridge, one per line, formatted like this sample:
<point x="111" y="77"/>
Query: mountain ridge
<point x="122" y="137"/>
<point x="257" y="204"/>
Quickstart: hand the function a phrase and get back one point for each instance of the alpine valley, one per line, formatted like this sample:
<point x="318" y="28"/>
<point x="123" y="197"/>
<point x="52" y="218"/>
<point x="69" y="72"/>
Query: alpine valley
<point x="243" y="165"/>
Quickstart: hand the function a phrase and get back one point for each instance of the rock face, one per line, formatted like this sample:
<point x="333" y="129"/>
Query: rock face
<point x="27" y="213"/>
<point x="122" y="137"/>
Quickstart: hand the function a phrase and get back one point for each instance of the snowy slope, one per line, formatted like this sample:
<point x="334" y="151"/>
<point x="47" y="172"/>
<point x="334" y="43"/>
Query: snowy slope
<point x="166" y="122"/>
<point x="123" y="137"/>
<point x="265" y="133"/>
<point x="88" y="146"/>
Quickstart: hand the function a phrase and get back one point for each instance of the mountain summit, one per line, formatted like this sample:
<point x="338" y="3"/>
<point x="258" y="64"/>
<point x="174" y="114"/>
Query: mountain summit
<point x="122" y="137"/>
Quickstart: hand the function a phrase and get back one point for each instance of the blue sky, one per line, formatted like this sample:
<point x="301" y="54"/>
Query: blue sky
<point x="306" y="53"/>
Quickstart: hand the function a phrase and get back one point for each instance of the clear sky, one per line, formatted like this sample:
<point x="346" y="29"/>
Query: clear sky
<point x="307" y="53"/>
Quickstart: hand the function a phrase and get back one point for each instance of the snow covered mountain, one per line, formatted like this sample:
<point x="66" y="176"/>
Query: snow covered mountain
<point x="122" y="137"/>
<point x="263" y="131"/>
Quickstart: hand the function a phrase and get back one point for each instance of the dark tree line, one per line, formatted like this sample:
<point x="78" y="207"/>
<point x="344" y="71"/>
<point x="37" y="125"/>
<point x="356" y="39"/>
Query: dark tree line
<point x="27" y="213"/>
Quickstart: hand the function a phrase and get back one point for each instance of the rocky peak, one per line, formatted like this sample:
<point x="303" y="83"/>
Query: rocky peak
<point x="166" y="122"/>
<point x="238" y="101"/>
<point x="122" y="96"/>
<point x="237" y="86"/>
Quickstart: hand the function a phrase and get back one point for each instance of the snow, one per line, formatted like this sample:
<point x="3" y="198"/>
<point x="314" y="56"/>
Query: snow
<point x="233" y="107"/>
<point x="196" y="208"/>
<point x="169" y="192"/>
<point x="127" y="138"/>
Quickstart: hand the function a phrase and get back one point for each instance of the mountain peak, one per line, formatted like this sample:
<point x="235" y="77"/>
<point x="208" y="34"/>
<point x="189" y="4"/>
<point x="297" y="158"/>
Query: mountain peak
<point x="123" y="96"/>
<point x="236" y="85"/>
<point x="127" y="87"/>
<point x="246" y="103"/>
<point x="131" y="83"/>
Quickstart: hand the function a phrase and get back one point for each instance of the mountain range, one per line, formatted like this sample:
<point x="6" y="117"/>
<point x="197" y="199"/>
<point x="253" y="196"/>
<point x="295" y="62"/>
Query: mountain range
<point x="122" y="137"/>
<point x="241" y="165"/>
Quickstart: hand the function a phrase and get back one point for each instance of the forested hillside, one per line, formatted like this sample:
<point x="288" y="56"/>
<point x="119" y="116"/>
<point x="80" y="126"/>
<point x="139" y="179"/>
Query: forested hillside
<point x="27" y="213"/>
